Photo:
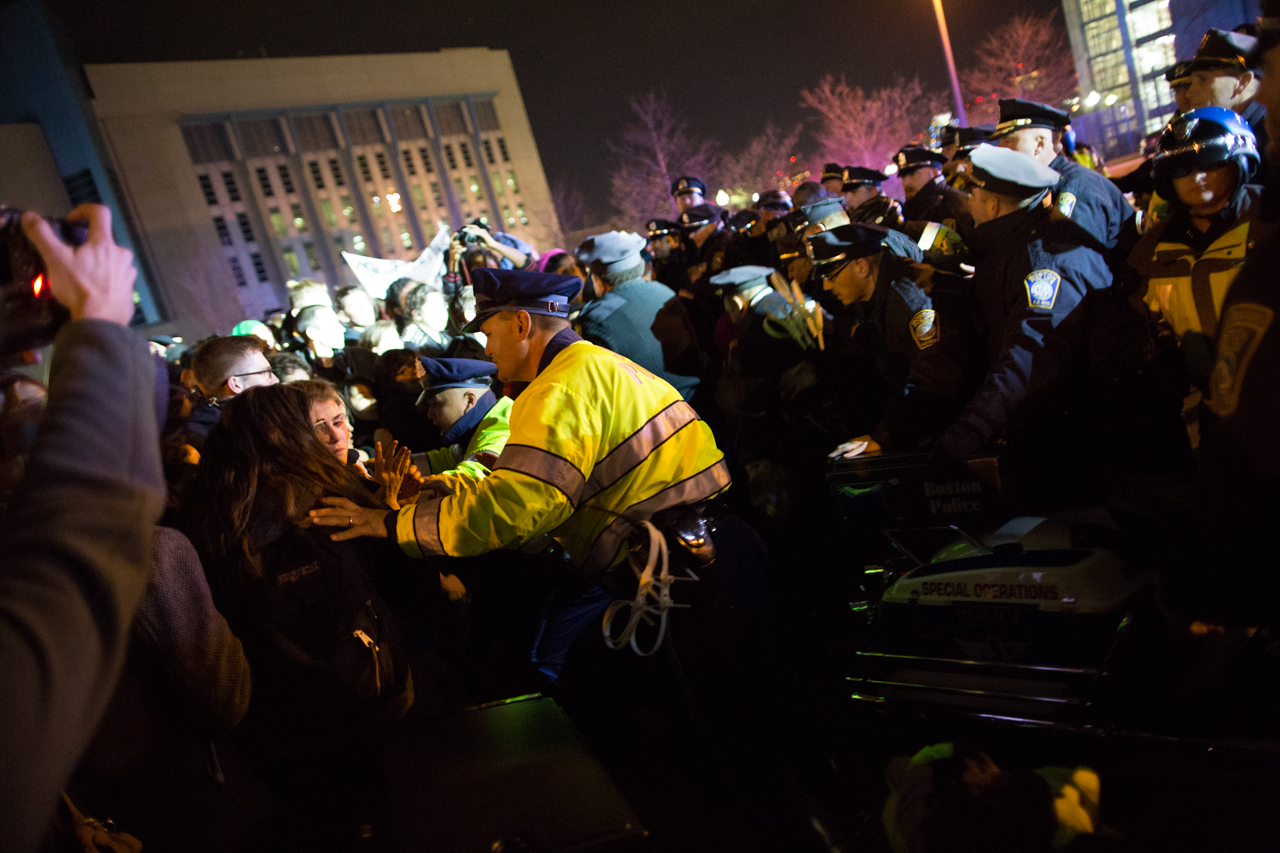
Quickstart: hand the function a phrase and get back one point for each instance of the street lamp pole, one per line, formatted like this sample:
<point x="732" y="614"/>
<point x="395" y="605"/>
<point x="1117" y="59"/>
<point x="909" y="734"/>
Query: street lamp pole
<point x="951" y="63"/>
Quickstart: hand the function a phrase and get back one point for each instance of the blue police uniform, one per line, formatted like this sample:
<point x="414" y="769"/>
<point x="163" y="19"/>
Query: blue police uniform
<point x="935" y="201"/>
<point x="1091" y="201"/>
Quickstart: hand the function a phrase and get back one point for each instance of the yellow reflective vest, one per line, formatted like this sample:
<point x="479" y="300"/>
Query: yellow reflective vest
<point x="489" y="436"/>
<point x="597" y="444"/>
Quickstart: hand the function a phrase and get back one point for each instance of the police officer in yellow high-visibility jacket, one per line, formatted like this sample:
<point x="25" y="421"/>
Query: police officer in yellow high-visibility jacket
<point x="472" y="421"/>
<point x="598" y="445"/>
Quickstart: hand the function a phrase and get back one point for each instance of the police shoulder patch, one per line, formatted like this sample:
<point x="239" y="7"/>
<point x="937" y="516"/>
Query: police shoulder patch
<point x="1042" y="288"/>
<point x="1066" y="204"/>
<point x="924" y="328"/>
<point x="1243" y="326"/>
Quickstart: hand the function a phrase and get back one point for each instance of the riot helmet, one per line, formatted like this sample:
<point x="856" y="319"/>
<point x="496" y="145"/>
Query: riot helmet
<point x="1202" y="140"/>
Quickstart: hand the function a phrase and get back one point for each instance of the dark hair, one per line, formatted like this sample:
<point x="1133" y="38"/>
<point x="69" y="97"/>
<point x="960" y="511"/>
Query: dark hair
<point x="284" y="363"/>
<point x="392" y="299"/>
<point x="215" y="357"/>
<point x="418" y="297"/>
<point x="389" y="364"/>
<point x="262" y="469"/>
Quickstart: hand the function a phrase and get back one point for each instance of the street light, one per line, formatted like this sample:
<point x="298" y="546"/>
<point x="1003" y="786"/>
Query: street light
<point x="951" y="63"/>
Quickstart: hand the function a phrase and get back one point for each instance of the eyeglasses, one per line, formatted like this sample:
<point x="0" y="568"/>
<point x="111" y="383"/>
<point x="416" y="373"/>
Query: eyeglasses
<point x="254" y="373"/>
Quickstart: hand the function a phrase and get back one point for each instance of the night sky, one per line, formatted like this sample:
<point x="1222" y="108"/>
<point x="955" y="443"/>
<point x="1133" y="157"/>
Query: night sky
<point x="728" y="66"/>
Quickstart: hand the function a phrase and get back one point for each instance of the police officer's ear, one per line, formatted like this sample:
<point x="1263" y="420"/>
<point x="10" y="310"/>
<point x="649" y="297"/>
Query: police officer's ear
<point x="1243" y="82"/>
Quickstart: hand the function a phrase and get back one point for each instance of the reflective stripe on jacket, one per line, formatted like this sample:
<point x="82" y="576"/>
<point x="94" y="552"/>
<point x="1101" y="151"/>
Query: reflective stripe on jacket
<point x="596" y="440"/>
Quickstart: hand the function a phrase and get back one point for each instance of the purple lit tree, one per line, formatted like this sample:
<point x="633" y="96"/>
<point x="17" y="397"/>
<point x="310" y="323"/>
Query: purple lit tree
<point x="860" y="128"/>
<point x="764" y="164"/>
<point x="1028" y="57"/>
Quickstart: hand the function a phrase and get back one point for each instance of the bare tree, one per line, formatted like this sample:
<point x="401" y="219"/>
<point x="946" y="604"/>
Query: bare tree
<point x="652" y="152"/>
<point x="1029" y="57"/>
<point x="860" y="128"/>
<point x="570" y="204"/>
<point x="763" y="165"/>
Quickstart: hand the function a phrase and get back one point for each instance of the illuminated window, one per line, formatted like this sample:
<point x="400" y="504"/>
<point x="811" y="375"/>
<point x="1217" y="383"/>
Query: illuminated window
<point x="506" y="214"/>
<point x="466" y="153"/>
<point x="524" y="220"/>
<point x="387" y="246"/>
<point x="436" y="195"/>
<point x="299" y="221"/>
<point x="419" y="197"/>
<point x="349" y="210"/>
<point x="326" y="210"/>
<point x="259" y="268"/>
<point x="286" y="180"/>
<point x="246" y="230"/>
<point x="357" y="242"/>
<point x="484" y="215"/>
<point x="498" y="186"/>
<point x="502" y="149"/>
<point x="457" y="185"/>
<point x="383" y="168"/>
<point x="312" y="260"/>
<point x="224" y="233"/>
<point x="264" y="181"/>
<point x="206" y="187"/>
<point x="406" y="237"/>
<point x="393" y="202"/>
<point x="291" y="263"/>
<point x="475" y="187"/>
<point x="233" y="190"/>
<point x="426" y="159"/>
<point x="317" y="177"/>
<point x="277" y="222"/>
<point x="376" y="201"/>
<point x="237" y="272"/>
<point x="336" y="168"/>
<point x="409" y="166"/>
<point x="488" y="151"/>
<point x="363" y="163"/>
<point x="448" y="155"/>
<point x="511" y="181"/>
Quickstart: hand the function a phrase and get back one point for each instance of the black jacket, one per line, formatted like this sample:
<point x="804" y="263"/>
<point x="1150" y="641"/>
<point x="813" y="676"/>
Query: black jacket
<point x="937" y="202"/>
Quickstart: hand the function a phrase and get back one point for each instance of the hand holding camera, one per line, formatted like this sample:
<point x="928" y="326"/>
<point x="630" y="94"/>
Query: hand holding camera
<point x="93" y="281"/>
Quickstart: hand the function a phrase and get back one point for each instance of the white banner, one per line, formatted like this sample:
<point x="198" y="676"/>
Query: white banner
<point x="377" y="274"/>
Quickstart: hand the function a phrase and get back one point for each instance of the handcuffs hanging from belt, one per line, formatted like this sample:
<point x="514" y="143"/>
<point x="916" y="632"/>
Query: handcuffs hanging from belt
<point x="691" y="528"/>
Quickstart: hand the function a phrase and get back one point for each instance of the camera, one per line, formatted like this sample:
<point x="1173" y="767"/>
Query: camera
<point x="29" y="315"/>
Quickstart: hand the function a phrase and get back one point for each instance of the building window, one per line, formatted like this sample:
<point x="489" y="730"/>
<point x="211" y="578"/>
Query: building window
<point x="291" y="263"/>
<point x="237" y="272"/>
<point x="475" y="187"/>
<point x="419" y="197"/>
<point x="357" y="242"/>
<point x="224" y="233"/>
<point x="286" y="180"/>
<point x="524" y="220"/>
<point x="484" y="216"/>
<point x="502" y="149"/>
<point x="246" y="230"/>
<point x="466" y="153"/>
<point x="406" y="236"/>
<point x="349" y="210"/>
<point x="376" y="202"/>
<point x="299" y="221"/>
<point x="277" y="222"/>
<point x="409" y="166"/>
<point x="448" y="156"/>
<point x="336" y="168"/>
<point x="363" y="163"/>
<point x="233" y="189"/>
<point x="506" y="215"/>
<point x="317" y="177"/>
<point x="498" y="186"/>
<point x="511" y="181"/>
<point x="387" y="246"/>
<point x="488" y="151"/>
<point x="206" y="187"/>
<point x="259" y="268"/>
<point x="340" y="244"/>
<point x="264" y="181"/>
<point x="436" y="195"/>
<point x="312" y="260"/>
<point x="426" y="159"/>
<point x="457" y="186"/>
<point x="326" y="210"/>
<point x="383" y="168"/>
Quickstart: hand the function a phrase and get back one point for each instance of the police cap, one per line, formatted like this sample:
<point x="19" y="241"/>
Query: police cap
<point x="445" y="373"/>
<point x="832" y="171"/>
<point x="948" y="134"/>
<point x="499" y="290"/>
<point x="1010" y="173"/>
<point x="700" y="215"/>
<point x="1178" y="74"/>
<point x="914" y="157"/>
<point x="687" y="184"/>
<point x="774" y="200"/>
<point x="1222" y="50"/>
<point x="660" y="227"/>
<point x="1018" y="113"/>
<point x="612" y="252"/>
<point x="858" y="240"/>
<point x="821" y="209"/>
<point x="742" y="220"/>
<point x="857" y="175"/>
<point x="741" y="278"/>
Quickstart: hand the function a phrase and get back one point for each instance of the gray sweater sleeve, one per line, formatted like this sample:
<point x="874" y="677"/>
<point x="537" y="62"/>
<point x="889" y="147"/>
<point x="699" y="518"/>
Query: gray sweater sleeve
<point x="75" y="549"/>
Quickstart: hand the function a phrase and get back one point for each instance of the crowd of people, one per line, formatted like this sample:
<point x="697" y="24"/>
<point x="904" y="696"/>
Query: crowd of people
<point x="368" y="512"/>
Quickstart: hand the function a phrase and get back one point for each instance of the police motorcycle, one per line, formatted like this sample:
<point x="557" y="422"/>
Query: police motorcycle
<point x="1031" y="620"/>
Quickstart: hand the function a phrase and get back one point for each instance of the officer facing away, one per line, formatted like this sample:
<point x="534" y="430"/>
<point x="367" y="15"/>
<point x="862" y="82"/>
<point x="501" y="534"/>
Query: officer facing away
<point x="472" y="421"/>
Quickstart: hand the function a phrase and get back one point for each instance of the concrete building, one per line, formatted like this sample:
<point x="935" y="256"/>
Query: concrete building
<point x="236" y="176"/>
<point x="1121" y="50"/>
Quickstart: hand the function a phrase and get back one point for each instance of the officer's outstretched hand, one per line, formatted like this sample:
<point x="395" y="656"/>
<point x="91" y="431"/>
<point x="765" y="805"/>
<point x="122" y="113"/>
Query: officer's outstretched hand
<point x="358" y="520"/>
<point x="863" y="445"/>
